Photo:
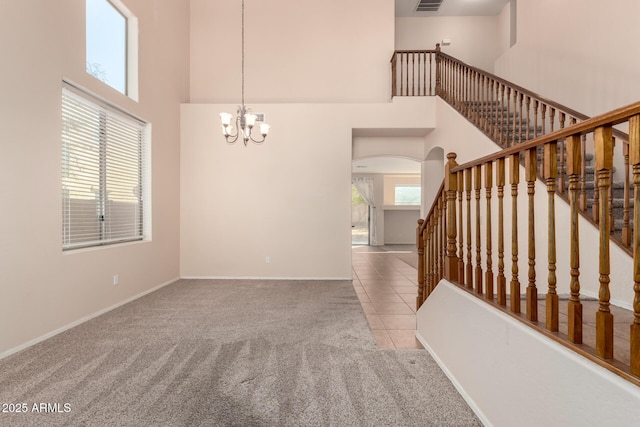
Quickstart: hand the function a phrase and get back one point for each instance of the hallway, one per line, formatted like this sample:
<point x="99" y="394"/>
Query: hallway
<point x="385" y="280"/>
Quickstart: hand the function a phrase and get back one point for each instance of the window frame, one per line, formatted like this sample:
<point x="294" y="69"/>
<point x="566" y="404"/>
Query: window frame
<point x="404" y="185"/>
<point x="106" y="117"/>
<point x="131" y="50"/>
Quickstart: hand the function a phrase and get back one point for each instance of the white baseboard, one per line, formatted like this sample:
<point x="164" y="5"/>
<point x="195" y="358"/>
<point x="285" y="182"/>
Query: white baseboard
<point x="82" y="320"/>
<point x="262" y="278"/>
<point x="472" y="404"/>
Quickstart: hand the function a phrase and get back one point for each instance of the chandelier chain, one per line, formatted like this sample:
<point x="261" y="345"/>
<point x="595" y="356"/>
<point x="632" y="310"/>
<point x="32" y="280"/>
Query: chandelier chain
<point x="242" y="53"/>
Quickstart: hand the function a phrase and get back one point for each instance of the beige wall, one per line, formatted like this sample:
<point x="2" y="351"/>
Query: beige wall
<point x="296" y="51"/>
<point x="474" y="39"/>
<point x="584" y="58"/>
<point x="289" y="199"/>
<point x="42" y="42"/>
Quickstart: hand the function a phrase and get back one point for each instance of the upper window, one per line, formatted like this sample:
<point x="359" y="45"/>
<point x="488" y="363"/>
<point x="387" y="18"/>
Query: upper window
<point x="111" y="45"/>
<point x="103" y="173"/>
<point x="407" y="194"/>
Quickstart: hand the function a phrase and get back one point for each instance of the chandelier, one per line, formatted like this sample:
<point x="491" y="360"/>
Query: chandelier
<point x="245" y="120"/>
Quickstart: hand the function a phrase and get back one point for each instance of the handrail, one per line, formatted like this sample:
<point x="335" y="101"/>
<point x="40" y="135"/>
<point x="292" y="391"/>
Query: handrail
<point x="611" y="118"/>
<point x="520" y="89"/>
<point x="444" y="254"/>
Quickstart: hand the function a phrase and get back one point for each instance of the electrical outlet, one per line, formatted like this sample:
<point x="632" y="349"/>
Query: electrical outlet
<point x="267" y="260"/>
<point x="116" y="279"/>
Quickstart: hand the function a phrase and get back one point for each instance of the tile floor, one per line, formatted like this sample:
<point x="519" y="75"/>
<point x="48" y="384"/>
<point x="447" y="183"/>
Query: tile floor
<point x="387" y="288"/>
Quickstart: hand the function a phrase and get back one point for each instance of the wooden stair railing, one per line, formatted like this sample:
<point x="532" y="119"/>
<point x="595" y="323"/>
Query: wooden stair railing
<point x="444" y="237"/>
<point x="510" y="114"/>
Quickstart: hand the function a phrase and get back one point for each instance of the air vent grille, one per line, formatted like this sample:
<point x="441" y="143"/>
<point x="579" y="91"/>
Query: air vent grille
<point x="428" y="5"/>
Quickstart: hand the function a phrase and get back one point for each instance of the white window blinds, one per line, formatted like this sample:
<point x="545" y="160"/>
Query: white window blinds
<point x="102" y="173"/>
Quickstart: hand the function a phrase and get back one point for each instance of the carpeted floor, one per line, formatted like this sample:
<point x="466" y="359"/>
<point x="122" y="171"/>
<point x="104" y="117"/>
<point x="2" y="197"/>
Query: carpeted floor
<point x="228" y="353"/>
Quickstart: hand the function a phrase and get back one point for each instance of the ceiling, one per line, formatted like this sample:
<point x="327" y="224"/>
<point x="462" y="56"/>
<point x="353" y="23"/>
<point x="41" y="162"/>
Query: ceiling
<point x="406" y="8"/>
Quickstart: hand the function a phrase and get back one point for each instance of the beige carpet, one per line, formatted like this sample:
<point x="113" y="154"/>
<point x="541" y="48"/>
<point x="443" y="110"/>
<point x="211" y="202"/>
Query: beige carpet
<point x="229" y="353"/>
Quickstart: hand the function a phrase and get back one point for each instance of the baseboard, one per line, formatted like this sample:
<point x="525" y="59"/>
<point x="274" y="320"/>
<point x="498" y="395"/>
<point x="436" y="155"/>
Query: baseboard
<point x="262" y="278"/>
<point x="82" y="320"/>
<point x="618" y="303"/>
<point x="472" y="404"/>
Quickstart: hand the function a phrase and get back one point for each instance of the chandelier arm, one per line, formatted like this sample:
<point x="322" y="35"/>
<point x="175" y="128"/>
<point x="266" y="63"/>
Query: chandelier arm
<point x="258" y="141"/>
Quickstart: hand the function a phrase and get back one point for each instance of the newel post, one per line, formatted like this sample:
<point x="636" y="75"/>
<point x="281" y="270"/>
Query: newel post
<point x="451" y="188"/>
<point x="438" y="70"/>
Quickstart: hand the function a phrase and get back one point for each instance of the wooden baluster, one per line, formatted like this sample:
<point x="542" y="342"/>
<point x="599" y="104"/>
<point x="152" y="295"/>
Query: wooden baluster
<point x="528" y="121"/>
<point x="583" y="175"/>
<point x="422" y="73"/>
<point x="421" y="263"/>
<point x="514" y="128"/>
<point x="413" y="73"/>
<point x="498" y="112"/>
<point x="469" y="266"/>
<point x="456" y="80"/>
<point x="543" y="119"/>
<point x="531" y="164"/>
<point x="552" y="118"/>
<point x="604" y="318"/>
<point x="491" y="116"/>
<point x="506" y="123"/>
<point x="487" y="106"/>
<point x="595" y="212"/>
<point x="407" y="75"/>
<point x="514" y="179"/>
<point x="612" y="222"/>
<point x="626" y="208"/>
<point x="461" y="278"/>
<point x="451" y="188"/>
<point x="634" y="158"/>
<point x="501" y="280"/>
<point x="561" y="158"/>
<point x="438" y="71"/>
<point x="436" y="245"/>
<point x="574" y="170"/>
<point x="550" y="174"/>
<point x="478" y="272"/>
<point x="488" y="183"/>
<point x="535" y="118"/>
<point x="501" y="121"/>
<point x="431" y="92"/>
<point x="478" y="104"/>
<point x="521" y="98"/>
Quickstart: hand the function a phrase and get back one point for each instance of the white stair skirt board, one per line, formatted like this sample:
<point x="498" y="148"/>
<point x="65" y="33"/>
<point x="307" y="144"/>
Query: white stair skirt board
<point x="512" y="375"/>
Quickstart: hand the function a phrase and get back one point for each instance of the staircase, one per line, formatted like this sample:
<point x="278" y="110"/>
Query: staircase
<point x="518" y="129"/>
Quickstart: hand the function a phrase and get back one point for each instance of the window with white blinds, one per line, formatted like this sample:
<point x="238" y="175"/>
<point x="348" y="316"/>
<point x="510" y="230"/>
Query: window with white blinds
<point x="103" y="173"/>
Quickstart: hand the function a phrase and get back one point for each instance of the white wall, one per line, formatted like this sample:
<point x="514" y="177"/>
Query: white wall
<point x="512" y="375"/>
<point x="296" y="51"/>
<point x="584" y="56"/>
<point x="42" y="42"/>
<point x="289" y="199"/>
<point x="400" y="226"/>
<point x="474" y="39"/>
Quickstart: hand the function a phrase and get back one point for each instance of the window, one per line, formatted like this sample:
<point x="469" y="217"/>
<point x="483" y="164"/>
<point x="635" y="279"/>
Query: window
<point x="103" y="173"/>
<point x="111" y="45"/>
<point x="407" y="194"/>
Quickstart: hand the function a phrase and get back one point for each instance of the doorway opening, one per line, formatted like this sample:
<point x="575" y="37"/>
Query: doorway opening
<point x="360" y="218"/>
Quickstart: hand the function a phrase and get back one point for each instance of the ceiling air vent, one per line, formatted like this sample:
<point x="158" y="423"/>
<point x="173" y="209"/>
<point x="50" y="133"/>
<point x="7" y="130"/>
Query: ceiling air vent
<point x="428" y="5"/>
